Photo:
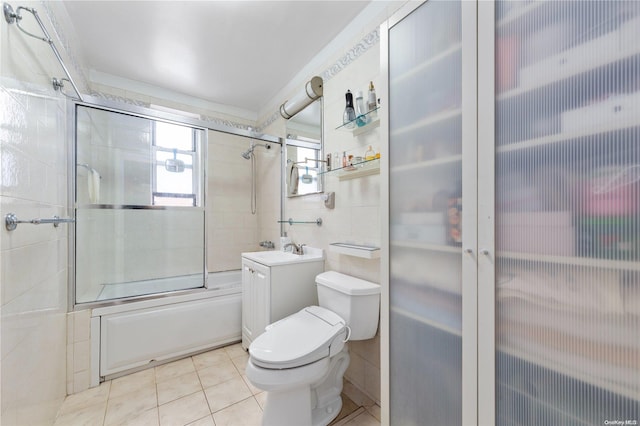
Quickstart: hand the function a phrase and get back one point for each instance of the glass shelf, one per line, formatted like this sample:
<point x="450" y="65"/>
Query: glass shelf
<point x="363" y="168"/>
<point x="357" y="250"/>
<point x="374" y="121"/>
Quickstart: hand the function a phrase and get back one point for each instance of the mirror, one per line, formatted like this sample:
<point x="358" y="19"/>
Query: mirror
<point x="305" y="156"/>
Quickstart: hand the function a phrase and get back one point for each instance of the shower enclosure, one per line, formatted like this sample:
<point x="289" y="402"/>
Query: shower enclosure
<point x="139" y="205"/>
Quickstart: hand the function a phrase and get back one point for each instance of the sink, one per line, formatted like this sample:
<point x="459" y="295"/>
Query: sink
<point x="278" y="257"/>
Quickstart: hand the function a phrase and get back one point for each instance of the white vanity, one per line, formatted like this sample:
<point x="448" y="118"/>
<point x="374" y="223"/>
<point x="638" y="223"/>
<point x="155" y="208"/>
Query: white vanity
<point x="276" y="284"/>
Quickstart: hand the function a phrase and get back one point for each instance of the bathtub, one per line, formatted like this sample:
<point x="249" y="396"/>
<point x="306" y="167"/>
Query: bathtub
<point x="127" y="337"/>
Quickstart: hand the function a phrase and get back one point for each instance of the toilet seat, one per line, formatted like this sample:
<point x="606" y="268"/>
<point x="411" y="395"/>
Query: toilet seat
<point x="299" y="339"/>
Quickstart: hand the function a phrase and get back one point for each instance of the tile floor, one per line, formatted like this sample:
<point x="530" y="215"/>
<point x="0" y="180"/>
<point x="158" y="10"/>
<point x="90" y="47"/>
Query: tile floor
<point x="209" y="389"/>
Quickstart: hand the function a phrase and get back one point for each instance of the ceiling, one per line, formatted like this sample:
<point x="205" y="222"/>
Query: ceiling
<point x="234" y="53"/>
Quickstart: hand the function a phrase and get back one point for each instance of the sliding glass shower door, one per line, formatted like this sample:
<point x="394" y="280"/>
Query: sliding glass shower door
<point x="139" y="203"/>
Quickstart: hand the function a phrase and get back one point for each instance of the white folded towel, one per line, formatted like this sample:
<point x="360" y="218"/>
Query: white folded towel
<point x="293" y="180"/>
<point x="93" y="184"/>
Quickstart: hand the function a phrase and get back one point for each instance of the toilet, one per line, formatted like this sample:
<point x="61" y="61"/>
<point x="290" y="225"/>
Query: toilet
<point x="300" y="360"/>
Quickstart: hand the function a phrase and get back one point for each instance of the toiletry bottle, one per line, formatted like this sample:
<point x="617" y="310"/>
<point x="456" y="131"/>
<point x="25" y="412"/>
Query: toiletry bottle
<point x="344" y="158"/>
<point x="284" y="240"/>
<point x="349" y="113"/>
<point x="454" y="216"/>
<point x="372" y="102"/>
<point x="369" y="154"/>
<point x="361" y="112"/>
<point x="328" y="162"/>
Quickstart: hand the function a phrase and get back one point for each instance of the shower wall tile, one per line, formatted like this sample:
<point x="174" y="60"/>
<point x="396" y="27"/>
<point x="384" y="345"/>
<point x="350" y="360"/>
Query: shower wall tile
<point x="33" y="146"/>
<point x="232" y="229"/>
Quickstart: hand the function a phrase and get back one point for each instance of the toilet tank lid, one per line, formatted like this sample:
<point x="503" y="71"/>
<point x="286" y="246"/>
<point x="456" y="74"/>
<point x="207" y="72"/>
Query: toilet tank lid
<point x="347" y="284"/>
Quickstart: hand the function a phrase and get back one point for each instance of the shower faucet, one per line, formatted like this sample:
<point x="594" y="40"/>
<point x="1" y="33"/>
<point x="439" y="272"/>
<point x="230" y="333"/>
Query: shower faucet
<point x="267" y="244"/>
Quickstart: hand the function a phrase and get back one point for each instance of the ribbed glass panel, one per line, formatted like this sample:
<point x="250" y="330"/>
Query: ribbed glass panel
<point x="425" y="215"/>
<point x="567" y="212"/>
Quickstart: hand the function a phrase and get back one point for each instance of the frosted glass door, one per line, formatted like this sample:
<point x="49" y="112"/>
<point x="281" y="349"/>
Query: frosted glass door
<point x="426" y="207"/>
<point x="567" y="203"/>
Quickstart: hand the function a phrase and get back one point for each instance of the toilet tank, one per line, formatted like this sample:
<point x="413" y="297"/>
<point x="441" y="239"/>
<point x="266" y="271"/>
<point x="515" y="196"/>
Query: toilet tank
<point x="356" y="301"/>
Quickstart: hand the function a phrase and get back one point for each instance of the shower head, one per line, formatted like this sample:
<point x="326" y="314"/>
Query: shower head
<point x="247" y="154"/>
<point x="174" y="165"/>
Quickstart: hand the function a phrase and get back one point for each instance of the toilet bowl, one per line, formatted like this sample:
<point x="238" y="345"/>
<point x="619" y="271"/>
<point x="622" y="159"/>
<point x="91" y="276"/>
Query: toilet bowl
<point x="300" y="360"/>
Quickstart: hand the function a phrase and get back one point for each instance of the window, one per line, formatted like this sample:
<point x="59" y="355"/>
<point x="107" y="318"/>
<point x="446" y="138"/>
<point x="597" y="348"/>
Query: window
<point x="174" y="153"/>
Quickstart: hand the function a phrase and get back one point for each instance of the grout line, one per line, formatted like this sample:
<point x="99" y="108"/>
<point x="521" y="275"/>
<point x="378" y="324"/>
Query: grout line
<point x="350" y="417"/>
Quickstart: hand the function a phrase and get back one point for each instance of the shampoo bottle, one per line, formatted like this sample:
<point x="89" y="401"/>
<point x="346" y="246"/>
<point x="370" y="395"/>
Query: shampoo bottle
<point x="369" y="154"/>
<point x="372" y="100"/>
<point x="361" y="112"/>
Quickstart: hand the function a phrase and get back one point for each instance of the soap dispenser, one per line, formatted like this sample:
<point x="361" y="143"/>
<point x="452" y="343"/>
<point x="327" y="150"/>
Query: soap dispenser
<point x="284" y="240"/>
<point x="349" y="113"/>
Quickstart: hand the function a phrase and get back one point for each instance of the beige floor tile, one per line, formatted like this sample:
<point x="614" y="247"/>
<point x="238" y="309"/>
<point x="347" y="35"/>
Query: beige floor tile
<point x="235" y="350"/>
<point x="84" y="399"/>
<point x="217" y="374"/>
<point x="132" y="383"/>
<point x="128" y="405"/>
<point x="364" y="419"/>
<point x="244" y="413"/>
<point x="145" y="418"/>
<point x="240" y="362"/>
<point x="348" y="407"/>
<point x="345" y="420"/>
<point x="375" y="411"/>
<point x="184" y="410"/>
<point x="178" y="387"/>
<point x="208" y="359"/>
<point x="254" y="390"/>
<point x="205" y="421"/>
<point x="226" y="394"/>
<point x="261" y="398"/>
<point x="174" y="369"/>
<point x="91" y="415"/>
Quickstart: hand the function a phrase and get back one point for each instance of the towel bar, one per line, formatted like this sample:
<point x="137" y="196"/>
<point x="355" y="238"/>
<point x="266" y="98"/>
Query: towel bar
<point x="11" y="221"/>
<point x="291" y="221"/>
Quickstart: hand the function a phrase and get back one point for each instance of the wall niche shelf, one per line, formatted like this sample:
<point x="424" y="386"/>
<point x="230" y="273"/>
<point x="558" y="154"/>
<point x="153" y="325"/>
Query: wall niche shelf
<point x="374" y="121"/>
<point x="357" y="250"/>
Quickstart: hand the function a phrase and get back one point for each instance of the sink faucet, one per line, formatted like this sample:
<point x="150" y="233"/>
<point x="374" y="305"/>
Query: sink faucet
<point x="295" y="248"/>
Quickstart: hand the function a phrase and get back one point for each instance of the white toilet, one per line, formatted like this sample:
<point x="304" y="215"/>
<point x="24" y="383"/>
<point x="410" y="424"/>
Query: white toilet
<point x="300" y="360"/>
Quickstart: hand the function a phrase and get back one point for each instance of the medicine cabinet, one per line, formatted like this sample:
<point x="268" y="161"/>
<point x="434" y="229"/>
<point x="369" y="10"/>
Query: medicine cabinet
<point x="511" y="172"/>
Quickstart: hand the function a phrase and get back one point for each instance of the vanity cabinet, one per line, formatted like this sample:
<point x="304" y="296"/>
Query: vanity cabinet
<point x="273" y="292"/>
<point x="511" y="176"/>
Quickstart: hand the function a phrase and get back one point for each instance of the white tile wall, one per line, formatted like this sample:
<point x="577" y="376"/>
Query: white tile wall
<point x="237" y="230"/>
<point x="356" y="216"/>
<point x="33" y="152"/>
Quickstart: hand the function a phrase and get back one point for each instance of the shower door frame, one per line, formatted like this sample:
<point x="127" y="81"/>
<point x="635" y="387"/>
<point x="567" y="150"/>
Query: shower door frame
<point x="151" y="114"/>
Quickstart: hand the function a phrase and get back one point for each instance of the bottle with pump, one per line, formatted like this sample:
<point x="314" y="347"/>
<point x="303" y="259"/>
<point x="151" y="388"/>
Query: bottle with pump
<point x="372" y="102"/>
<point x="349" y="113"/>
<point x="361" y="112"/>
